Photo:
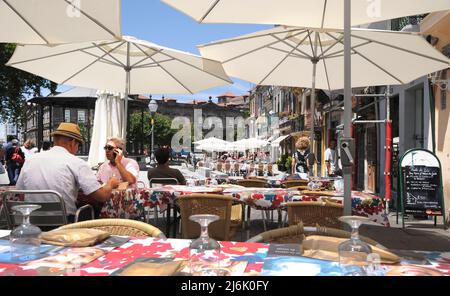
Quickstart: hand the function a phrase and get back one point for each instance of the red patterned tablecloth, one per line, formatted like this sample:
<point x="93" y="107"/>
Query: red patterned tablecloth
<point x="97" y="261"/>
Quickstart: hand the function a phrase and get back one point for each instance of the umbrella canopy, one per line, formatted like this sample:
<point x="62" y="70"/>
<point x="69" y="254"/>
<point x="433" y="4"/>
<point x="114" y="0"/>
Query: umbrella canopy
<point x="250" y="143"/>
<point x="59" y="21"/>
<point x="212" y="141"/>
<point x="108" y="120"/>
<point x="212" y="147"/>
<point x="303" y="13"/>
<point x="286" y="56"/>
<point x="128" y="65"/>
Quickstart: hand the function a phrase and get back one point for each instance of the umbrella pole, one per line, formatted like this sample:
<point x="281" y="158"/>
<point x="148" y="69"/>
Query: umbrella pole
<point x="127" y="93"/>
<point x="347" y="104"/>
<point x="315" y="60"/>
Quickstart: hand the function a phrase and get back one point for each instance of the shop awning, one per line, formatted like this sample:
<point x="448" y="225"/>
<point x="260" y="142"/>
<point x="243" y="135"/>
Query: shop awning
<point x="278" y="141"/>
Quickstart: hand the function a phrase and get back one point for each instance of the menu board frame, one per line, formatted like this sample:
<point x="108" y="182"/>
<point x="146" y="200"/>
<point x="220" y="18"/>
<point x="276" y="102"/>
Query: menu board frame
<point x="425" y="173"/>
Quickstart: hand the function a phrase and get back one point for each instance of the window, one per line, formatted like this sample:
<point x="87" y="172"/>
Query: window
<point x="81" y="118"/>
<point x="67" y="115"/>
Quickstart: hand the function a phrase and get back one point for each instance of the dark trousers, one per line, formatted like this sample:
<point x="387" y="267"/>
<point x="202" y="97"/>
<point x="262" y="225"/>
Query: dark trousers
<point x="12" y="172"/>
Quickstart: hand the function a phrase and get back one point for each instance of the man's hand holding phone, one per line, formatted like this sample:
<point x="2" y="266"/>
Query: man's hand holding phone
<point x="118" y="155"/>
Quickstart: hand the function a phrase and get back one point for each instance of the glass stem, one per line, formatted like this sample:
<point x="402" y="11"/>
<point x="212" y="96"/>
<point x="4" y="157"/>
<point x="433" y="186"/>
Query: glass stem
<point x="355" y="234"/>
<point x="204" y="232"/>
<point x="26" y="219"/>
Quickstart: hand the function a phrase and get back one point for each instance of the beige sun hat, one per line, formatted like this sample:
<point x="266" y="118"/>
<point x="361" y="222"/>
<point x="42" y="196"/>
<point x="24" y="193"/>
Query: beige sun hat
<point x="70" y="130"/>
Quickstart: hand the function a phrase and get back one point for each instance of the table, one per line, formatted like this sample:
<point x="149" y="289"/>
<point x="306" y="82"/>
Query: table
<point x="132" y="203"/>
<point x="255" y="259"/>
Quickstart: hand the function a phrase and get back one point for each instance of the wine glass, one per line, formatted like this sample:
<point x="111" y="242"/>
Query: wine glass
<point x="353" y="253"/>
<point x="204" y="252"/>
<point x="24" y="239"/>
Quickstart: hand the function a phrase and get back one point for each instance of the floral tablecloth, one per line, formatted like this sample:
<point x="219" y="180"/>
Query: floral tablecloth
<point x="132" y="203"/>
<point x="363" y="204"/>
<point x="98" y="261"/>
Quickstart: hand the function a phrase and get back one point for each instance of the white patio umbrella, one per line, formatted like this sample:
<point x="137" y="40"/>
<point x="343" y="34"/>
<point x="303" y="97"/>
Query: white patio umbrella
<point x="338" y="14"/>
<point x="212" y="147"/>
<point x="211" y="141"/>
<point x="250" y="143"/>
<point x="286" y="56"/>
<point x="128" y="65"/>
<point x="108" y="121"/>
<point x="59" y="21"/>
<point x="303" y="13"/>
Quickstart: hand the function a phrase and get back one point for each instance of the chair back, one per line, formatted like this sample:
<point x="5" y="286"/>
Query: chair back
<point x="261" y="168"/>
<point x="163" y="181"/>
<point x="227" y="167"/>
<point x="270" y="168"/>
<point x="312" y="213"/>
<point x="219" y="166"/>
<point x="252" y="183"/>
<point x="236" y="167"/>
<point x="51" y="213"/>
<point x="297" y="233"/>
<point x="123" y="227"/>
<point x="212" y="204"/>
<point x="294" y="183"/>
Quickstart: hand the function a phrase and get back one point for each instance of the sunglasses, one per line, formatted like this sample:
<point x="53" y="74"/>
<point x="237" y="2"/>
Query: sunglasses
<point x="109" y="148"/>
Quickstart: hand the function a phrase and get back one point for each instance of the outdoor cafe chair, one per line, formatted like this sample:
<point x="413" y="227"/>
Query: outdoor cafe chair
<point x="123" y="227"/>
<point x="219" y="167"/>
<point x="51" y="214"/>
<point x="212" y="204"/>
<point x="236" y="168"/>
<point x="311" y="213"/>
<point x="164" y="181"/>
<point x="297" y="233"/>
<point x="293" y="183"/>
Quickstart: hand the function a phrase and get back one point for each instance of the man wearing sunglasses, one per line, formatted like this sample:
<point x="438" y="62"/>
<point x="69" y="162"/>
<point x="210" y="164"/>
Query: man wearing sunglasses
<point x="59" y="169"/>
<point x="116" y="165"/>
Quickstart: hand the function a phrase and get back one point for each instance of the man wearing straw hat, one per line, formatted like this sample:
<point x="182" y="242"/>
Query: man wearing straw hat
<point x="60" y="170"/>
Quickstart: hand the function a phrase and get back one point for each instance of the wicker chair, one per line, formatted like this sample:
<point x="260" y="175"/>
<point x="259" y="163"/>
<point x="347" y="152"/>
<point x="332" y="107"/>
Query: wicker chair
<point x="219" y="166"/>
<point x="299" y="188"/>
<point x="293" y="183"/>
<point x="119" y="227"/>
<point x="212" y="204"/>
<point x="319" y="193"/>
<point x="259" y="183"/>
<point x="297" y="233"/>
<point x="312" y="213"/>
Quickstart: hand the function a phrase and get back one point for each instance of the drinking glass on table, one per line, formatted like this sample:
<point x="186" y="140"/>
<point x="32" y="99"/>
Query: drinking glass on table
<point x="24" y="239"/>
<point x="354" y="253"/>
<point x="204" y="252"/>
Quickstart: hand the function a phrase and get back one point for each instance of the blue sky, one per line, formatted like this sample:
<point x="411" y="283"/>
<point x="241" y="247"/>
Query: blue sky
<point x="156" y="22"/>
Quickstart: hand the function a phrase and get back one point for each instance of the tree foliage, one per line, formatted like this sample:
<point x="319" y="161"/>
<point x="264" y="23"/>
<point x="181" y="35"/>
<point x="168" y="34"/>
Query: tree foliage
<point x="163" y="131"/>
<point x="16" y="86"/>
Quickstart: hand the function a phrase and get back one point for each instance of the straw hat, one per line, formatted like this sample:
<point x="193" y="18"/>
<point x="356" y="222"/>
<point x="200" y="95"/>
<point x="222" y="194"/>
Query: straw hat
<point x="70" y="130"/>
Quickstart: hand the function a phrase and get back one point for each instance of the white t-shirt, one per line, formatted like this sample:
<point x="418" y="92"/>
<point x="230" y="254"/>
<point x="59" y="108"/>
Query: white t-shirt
<point x="58" y="170"/>
<point x="332" y="156"/>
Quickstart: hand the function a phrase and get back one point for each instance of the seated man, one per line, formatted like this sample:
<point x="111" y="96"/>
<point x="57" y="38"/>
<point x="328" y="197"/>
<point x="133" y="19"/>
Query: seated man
<point x="118" y="166"/>
<point x="60" y="170"/>
<point x="163" y="170"/>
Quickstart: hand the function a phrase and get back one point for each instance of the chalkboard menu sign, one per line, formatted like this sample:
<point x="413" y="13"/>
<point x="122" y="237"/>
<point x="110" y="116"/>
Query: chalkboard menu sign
<point x="422" y="190"/>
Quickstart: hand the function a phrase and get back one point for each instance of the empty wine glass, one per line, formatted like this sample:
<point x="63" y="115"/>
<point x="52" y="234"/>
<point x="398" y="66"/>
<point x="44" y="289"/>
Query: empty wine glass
<point x="353" y="253"/>
<point x="204" y="252"/>
<point x="24" y="239"/>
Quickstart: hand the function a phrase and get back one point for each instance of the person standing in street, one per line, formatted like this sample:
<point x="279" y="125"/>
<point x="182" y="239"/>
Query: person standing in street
<point x="332" y="160"/>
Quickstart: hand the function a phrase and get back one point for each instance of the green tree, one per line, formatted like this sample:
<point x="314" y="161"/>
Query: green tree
<point x="163" y="131"/>
<point x="16" y="86"/>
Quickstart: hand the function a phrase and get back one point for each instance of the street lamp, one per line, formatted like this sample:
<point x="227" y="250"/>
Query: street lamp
<point x="152" y="107"/>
